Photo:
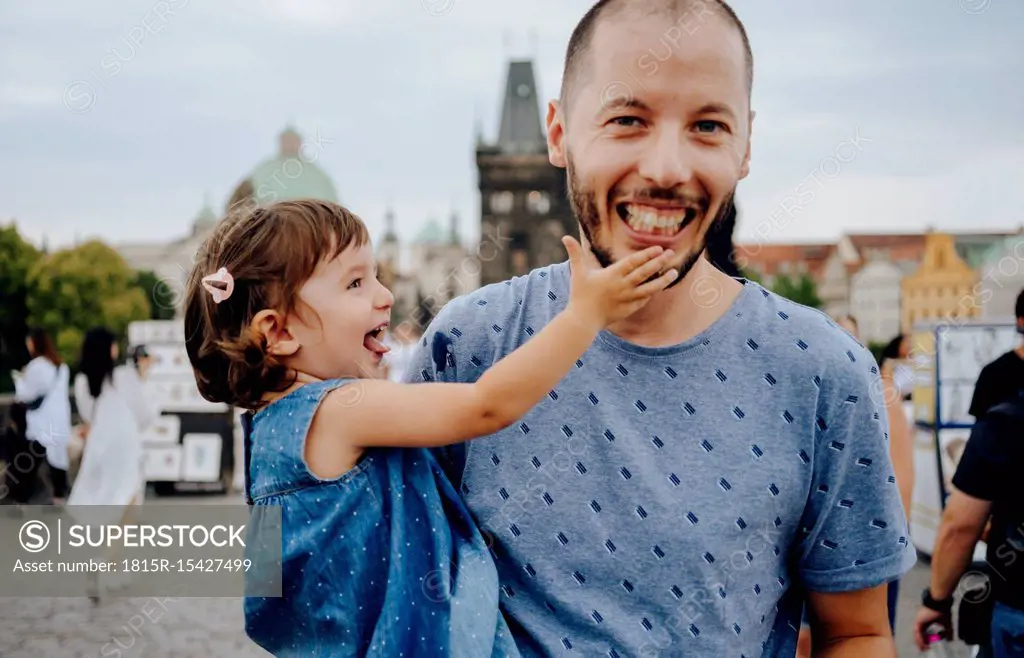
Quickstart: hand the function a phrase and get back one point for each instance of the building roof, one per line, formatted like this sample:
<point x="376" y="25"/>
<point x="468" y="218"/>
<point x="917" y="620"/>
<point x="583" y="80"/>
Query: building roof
<point x="431" y="233"/>
<point x="289" y="174"/>
<point x="769" y="258"/>
<point x="521" y="129"/>
<point x="1011" y="245"/>
<point x="204" y="220"/>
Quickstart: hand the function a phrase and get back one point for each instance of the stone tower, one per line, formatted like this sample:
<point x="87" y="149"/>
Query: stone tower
<point x="524" y="210"/>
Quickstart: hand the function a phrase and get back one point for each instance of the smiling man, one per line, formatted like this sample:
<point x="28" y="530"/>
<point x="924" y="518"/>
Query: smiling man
<point x="716" y="460"/>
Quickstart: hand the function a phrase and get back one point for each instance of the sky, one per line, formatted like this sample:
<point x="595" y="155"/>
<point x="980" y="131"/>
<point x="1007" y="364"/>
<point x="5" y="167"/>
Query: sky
<point x="922" y="100"/>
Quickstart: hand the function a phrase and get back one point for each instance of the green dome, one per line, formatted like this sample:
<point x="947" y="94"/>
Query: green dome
<point x="291" y="174"/>
<point x="279" y="178"/>
<point x="1006" y="247"/>
<point x="431" y="233"/>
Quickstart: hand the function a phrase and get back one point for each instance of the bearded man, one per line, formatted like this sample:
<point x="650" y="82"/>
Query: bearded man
<point x="715" y="461"/>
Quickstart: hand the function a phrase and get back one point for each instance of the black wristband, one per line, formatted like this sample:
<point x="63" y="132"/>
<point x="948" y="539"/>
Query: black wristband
<point x="943" y="606"/>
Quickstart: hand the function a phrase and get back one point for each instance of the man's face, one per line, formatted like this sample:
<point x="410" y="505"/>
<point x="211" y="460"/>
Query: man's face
<point x="655" y="135"/>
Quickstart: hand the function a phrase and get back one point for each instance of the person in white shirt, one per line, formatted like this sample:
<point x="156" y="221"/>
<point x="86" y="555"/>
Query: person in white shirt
<point x="43" y="387"/>
<point x="110" y="400"/>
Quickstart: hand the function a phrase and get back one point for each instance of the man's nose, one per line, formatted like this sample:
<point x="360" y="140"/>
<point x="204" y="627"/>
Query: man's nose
<point x="667" y="162"/>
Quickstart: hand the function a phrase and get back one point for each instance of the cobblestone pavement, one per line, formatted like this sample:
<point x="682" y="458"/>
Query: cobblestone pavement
<point x="127" y="627"/>
<point x="204" y="628"/>
<point x="124" y="628"/>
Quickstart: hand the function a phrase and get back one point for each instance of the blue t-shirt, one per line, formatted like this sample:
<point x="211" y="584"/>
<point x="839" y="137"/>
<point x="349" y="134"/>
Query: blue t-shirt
<point x="675" y="501"/>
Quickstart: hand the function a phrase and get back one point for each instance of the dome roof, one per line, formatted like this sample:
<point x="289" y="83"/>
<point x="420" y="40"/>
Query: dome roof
<point x="1008" y="246"/>
<point x="290" y="174"/>
<point x="431" y="233"/>
<point x="205" y="219"/>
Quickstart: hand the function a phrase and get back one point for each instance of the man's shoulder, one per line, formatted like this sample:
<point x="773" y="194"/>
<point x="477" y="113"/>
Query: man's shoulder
<point x="811" y="341"/>
<point x="497" y="302"/>
<point x="1008" y="361"/>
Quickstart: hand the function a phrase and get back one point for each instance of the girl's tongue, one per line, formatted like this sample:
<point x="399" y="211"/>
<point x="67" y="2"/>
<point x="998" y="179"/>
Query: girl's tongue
<point x="374" y="345"/>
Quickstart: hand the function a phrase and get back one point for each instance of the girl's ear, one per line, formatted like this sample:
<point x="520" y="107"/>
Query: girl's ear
<point x="270" y="324"/>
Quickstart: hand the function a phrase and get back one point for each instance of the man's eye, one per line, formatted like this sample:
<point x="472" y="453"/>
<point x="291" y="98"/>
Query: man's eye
<point x="710" y="126"/>
<point x="626" y="122"/>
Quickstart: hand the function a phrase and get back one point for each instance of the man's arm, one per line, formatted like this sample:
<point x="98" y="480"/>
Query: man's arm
<point x="982" y="471"/>
<point x="851" y="624"/>
<point x="963" y="521"/>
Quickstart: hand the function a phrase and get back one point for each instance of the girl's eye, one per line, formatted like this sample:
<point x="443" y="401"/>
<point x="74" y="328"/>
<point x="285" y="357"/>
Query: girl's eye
<point x="355" y="284"/>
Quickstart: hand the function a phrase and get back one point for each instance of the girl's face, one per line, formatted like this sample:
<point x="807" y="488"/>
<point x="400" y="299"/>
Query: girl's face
<point x="31" y="346"/>
<point x="343" y="314"/>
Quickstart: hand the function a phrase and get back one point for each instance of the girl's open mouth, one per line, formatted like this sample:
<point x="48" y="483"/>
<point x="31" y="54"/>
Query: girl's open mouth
<point x="373" y="340"/>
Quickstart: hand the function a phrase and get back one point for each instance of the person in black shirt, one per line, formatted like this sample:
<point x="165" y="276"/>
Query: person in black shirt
<point x="987" y="484"/>
<point x="1000" y="379"/>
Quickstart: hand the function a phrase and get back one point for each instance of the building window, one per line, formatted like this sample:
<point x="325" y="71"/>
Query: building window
<point x="538" y="203"/>
<point x="501" y="202"/>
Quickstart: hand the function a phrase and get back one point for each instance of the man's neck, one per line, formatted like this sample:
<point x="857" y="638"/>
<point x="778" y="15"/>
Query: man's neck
<point x="1020" y="352"/>
<point x="683" y="311"/>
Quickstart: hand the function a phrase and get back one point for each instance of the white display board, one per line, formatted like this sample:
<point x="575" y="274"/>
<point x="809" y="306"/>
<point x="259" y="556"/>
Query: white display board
<point x="170" y="387"/>
<point x="201" y="457"/>
<point x="165" y="430"/>
<point x="162" y="463"/>
<point x="964" y="350"/>
<point x="926" y="506"/>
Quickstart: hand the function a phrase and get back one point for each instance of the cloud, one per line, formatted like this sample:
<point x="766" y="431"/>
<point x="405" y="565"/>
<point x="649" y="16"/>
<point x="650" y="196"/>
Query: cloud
<point x="204" y="94"/>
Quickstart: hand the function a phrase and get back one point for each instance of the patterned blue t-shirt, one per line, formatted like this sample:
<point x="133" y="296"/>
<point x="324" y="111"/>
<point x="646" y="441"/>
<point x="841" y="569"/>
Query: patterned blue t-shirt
<point x="675" y="501"/>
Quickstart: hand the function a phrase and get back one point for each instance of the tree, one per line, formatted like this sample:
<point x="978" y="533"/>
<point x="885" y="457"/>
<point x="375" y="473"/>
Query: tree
<point x="161" y="298"/>
<point x="17" y="257"/>
<point x="73" y="290"/>
<point x="802" y="291"/>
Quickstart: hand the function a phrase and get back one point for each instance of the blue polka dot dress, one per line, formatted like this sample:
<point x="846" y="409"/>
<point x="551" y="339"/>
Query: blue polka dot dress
<point x="381" y="561"/>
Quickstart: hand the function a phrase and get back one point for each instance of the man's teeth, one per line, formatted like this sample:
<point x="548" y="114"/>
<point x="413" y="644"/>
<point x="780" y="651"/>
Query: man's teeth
<point x="653" y="222"/>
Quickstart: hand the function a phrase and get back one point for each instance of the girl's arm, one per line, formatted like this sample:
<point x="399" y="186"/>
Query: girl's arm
<point x="83" y="399"/>
<point x="381" y="413"/>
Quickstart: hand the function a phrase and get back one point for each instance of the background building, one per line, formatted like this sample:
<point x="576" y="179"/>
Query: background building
<point x="524" y="210"/>
<point x="942" y="288"/>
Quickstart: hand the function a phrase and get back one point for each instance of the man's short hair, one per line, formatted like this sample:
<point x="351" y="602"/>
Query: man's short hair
<point x="1019" y="310"/>
<point x="579" y="42"/>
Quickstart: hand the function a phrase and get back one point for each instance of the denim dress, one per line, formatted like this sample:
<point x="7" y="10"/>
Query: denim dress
<point x="381" y="561"/>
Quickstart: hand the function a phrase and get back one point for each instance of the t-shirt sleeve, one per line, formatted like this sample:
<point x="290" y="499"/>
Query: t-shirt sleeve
<point x="985" y="465"/>
<point x="854" y="533"/>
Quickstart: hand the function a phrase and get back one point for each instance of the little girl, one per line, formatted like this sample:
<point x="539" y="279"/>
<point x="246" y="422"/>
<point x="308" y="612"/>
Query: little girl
<point x="285" y="317"/>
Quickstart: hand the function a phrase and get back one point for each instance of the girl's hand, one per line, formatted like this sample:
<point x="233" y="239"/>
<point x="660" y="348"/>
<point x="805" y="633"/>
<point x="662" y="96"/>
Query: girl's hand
<point x="605" y="295"/>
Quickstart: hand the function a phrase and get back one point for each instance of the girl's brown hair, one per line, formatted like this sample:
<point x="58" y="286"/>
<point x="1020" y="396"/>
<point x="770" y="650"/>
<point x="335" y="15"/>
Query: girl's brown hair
<point x="42" y="345"/>
<point x="270" y="251"/>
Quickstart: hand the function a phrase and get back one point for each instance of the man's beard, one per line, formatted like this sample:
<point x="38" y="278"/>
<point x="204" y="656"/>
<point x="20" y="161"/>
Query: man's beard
<point x="584" y="206"/>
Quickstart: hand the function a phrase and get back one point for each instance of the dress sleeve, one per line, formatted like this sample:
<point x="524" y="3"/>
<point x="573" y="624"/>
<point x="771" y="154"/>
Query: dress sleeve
<point x="129" y="384"/>
<point x="83" y="399"/>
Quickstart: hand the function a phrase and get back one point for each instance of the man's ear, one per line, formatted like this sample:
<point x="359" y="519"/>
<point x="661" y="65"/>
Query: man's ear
<point x="556" y="134"/>
<point x="745" y="167"/>
<point x="271" y="325"/>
